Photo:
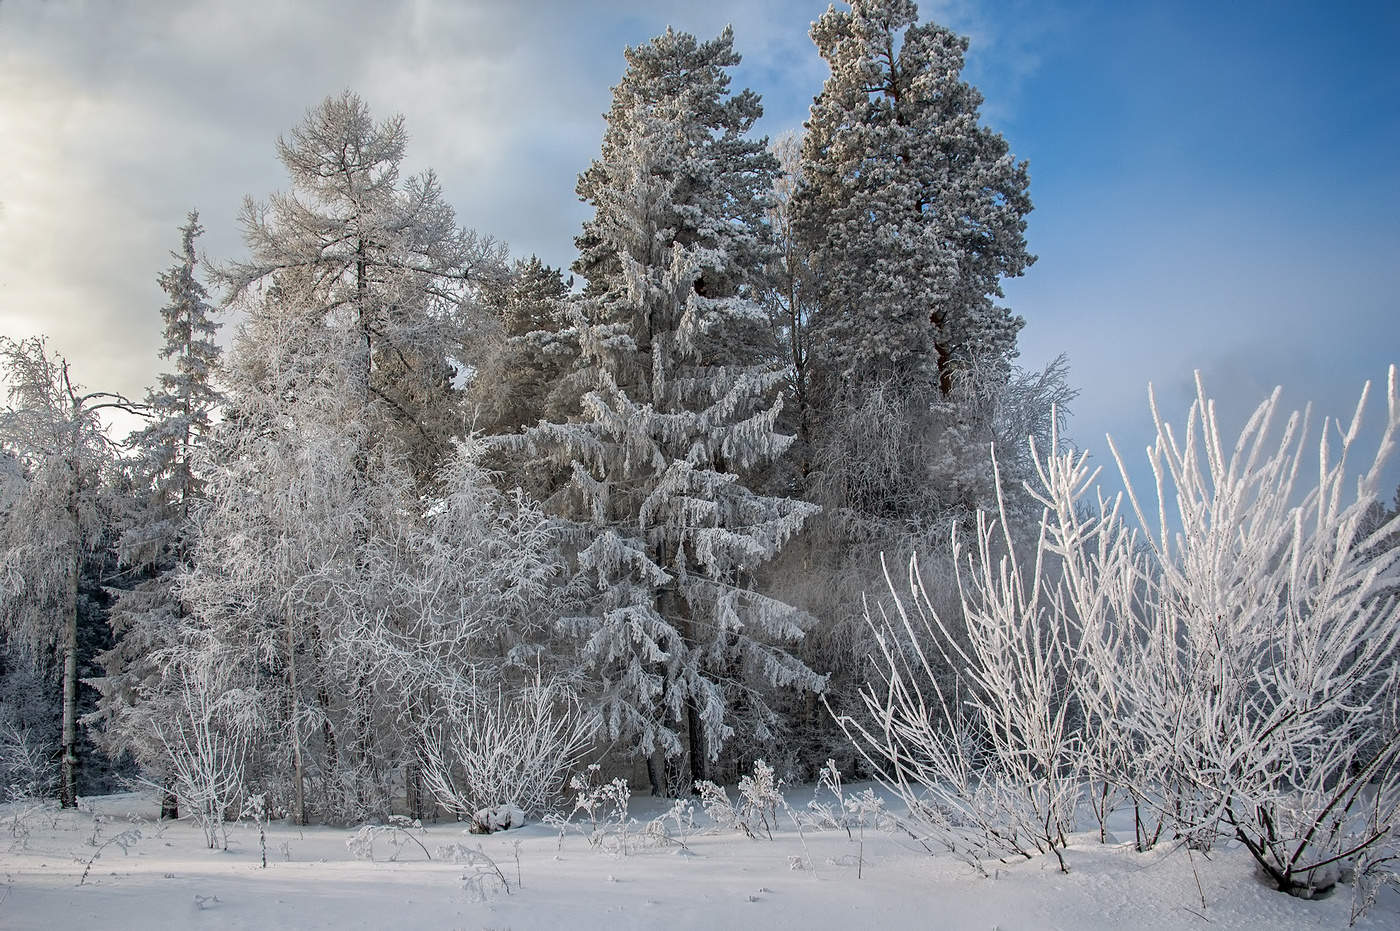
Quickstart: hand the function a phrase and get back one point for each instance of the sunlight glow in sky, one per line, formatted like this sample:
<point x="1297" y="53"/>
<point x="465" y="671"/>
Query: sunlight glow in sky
<point x="1216" y="185"/>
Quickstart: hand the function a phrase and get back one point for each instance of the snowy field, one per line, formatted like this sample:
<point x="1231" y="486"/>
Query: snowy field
<point x="168" y="878"/>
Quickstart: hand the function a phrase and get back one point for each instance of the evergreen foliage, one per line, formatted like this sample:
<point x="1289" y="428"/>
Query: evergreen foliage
<point x="914" y="211"/>
<point x="165" y="489"/>
<point x="679" y="416"/>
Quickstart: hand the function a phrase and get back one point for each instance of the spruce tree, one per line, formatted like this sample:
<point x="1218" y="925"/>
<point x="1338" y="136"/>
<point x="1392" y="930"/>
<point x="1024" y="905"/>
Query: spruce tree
<point x="166" y="483"/>
<point x="680" y="414"/>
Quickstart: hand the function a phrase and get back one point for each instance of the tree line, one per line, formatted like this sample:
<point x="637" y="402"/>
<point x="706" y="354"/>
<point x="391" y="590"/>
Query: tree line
<point x="433" y="500"/>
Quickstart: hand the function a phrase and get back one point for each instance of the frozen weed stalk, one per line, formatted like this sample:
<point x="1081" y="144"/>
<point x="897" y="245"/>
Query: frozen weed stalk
<point x="485" y="875"/>
<point x="397" y="833"/>
<point x="256" y="807"/>
<point x="124" y="841"/>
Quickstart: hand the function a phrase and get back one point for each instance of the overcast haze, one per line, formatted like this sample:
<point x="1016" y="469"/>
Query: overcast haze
<point x="1214" y="188"/>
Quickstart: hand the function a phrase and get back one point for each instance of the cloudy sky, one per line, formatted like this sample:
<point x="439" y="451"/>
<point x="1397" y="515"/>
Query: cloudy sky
<point x="1217" y="186"/>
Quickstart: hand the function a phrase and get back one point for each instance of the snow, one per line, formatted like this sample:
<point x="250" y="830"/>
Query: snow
<point x="169" y="878"/>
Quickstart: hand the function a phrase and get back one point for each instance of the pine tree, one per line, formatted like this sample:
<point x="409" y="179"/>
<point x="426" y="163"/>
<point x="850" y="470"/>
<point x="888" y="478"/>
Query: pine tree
<point x="907" y="215"/>
<point x="156" y="541"/>
<point x="680" y="413"/>
<point x="913" y="209"/>
<point x="913" y="213"/>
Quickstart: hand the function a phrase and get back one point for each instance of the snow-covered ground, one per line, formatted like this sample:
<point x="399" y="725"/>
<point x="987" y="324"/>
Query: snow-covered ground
<point x="170" y="879"/>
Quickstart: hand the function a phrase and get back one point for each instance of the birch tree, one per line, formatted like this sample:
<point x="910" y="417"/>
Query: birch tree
<point x="51" y="426"/>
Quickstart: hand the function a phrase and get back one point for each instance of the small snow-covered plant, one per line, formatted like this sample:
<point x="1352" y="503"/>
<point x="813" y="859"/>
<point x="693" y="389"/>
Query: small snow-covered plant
<point x="256" y="807"/>
<point x="674" y="828"/>
<point x="762" y="795"/>
<point x="1371" y="873"/>
<point x="604" y="805"/>
<point x="866" y="809"/>
<point x="827" y="815"/>
<point x="124" y="840"/>
<point x="842" y="812"/>
<point x="720" y="809"/>
<point x="485" y="876"/>
<point x="397" y="834"/>
<point x="757" y="808"/>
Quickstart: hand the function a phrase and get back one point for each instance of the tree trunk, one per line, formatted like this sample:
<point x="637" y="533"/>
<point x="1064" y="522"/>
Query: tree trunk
<point x="656" y="773"/>
<point x="68" y="744"/>
<point x="699" y="759"/>
<point x="413" y="790"/>
<point x="298" y="764"/>
<point x="323" y="701"/>
<point x="68" y="740"/>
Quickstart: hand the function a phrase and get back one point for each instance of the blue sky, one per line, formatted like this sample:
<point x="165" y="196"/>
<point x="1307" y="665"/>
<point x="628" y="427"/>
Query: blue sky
<point x="1216" y="185"/>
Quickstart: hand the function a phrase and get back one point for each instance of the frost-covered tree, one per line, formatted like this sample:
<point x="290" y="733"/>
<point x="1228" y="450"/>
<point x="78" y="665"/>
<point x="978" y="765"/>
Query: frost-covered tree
<point x="679" y="414"/>
<point x="791" y="296"/>
<point x="906" y="216"/>
<point x="356" y="246"/>
<point x="913" y="210"/>
<point x="51" y="427"/>
<point x="360" y="615"/>
<point x="283" y="510"/>
<point x="342" y="409"/>
<point x="156" y="541"/>
<point x="526" y="380"/>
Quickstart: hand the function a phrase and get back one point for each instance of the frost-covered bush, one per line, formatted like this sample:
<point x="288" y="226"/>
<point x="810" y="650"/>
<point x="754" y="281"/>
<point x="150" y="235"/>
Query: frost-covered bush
<point x="1232" y="673"/>
<point x="493" y="749"/>
<point x="205" y="734"/>
<point x="1268" y="690"/>
<point x="27" y="769"/>
<point x="988" y="768"/>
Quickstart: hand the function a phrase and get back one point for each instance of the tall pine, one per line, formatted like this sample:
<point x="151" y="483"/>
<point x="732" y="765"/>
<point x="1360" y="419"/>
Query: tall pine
<point x="913" y="213"/>
<point x="913" y="209"/>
